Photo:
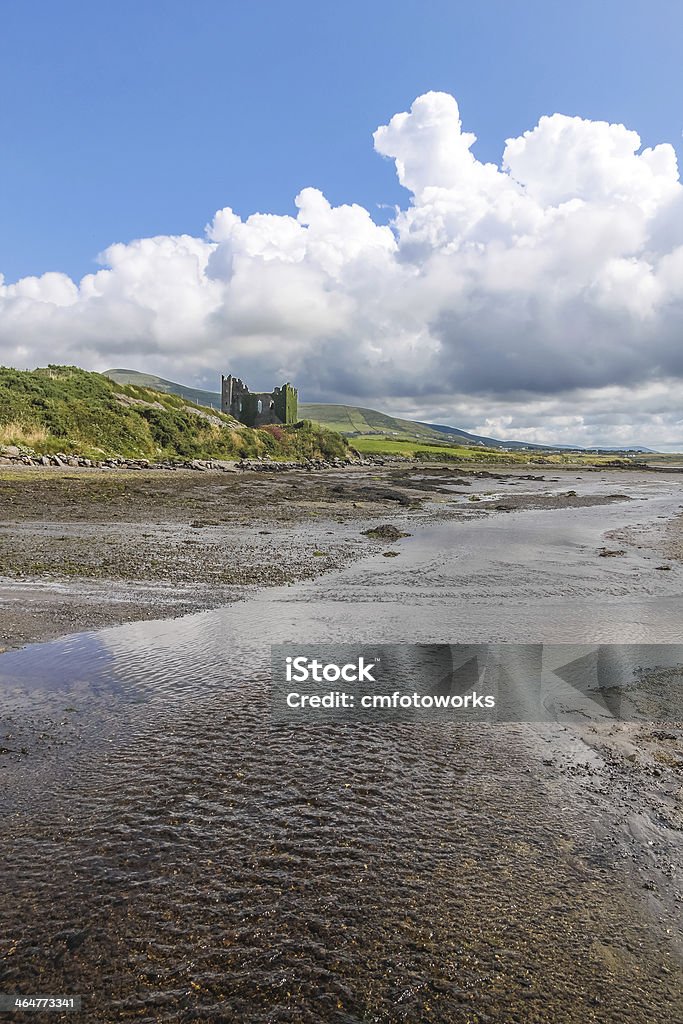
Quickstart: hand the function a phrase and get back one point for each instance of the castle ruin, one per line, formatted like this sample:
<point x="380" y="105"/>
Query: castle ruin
<point x="258" y="408"/>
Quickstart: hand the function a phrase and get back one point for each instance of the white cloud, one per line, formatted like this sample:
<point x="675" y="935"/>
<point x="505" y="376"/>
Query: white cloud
<point x="542" y="298"/>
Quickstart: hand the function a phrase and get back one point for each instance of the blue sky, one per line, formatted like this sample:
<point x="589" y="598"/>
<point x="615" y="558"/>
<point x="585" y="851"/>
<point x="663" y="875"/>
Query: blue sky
<point x="290" y="191"/>
<point x="142" y="118"/>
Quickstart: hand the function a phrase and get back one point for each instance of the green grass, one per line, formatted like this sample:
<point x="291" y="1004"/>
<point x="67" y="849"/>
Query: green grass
<point x="66" y="409"/>
<point x="351" y="419"/>
<point x="435" y="452"/>
<point x="360" y="424"/>
<point x="345" y="419"/>
<point x="411" y="449"/>
<point x="664" y="459"/>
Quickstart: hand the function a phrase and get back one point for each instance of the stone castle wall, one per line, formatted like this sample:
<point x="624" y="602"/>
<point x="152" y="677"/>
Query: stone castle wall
<point x="258" y="408"/>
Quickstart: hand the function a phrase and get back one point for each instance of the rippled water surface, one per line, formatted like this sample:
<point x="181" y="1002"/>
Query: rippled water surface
<point x="173" y="856"/>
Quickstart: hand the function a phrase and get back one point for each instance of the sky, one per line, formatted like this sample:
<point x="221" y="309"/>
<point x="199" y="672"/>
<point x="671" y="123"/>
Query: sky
<point x="463" y="212"/>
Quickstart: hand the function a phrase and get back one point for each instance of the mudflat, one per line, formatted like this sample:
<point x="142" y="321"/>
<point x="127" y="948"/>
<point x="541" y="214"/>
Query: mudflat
<point x="174" y="856"/>
<point x="83" y="548"/>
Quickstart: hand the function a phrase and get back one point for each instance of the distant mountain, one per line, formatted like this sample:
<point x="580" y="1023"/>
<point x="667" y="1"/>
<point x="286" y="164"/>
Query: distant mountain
<point x="354" y="421"/>
<point x="489" y="442"/>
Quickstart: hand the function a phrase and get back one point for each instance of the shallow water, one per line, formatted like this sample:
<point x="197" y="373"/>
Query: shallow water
<point x="176" y="857"/>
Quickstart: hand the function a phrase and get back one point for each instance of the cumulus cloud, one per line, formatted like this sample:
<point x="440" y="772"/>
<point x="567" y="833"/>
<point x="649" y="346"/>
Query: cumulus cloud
<point x="541" y="298"/>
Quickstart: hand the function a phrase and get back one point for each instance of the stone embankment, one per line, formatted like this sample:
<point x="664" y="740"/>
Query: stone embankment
<point x="12" y="455"/>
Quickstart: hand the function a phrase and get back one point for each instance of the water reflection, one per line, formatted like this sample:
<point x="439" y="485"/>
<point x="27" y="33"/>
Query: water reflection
<point x="201" y="864"/>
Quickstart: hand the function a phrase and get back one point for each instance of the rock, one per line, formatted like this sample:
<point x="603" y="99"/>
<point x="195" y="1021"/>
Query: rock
<point x="127" y="402"/>
<point x="385" y="532"/>
<point x="74" y="939"/>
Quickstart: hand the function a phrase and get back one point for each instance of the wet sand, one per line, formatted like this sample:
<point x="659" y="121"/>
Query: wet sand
<point x="172" y="856"/>
<point x="86" y="548"/>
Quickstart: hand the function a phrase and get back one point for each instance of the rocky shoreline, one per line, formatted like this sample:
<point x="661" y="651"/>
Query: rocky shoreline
<point x="12" y="455"/>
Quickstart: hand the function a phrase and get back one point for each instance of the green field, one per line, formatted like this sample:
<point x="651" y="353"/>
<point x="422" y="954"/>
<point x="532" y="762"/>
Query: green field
<point x="665" y="459"/>
<point x="411" y="449"/>
<point x="353" y="420"/>
<point x="435" y="452"/>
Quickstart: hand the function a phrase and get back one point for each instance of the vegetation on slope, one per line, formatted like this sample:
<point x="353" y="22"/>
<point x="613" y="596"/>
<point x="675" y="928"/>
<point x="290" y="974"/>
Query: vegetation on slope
<point x="350" y="420"/>
<point x="378" y="433"/>
<point x="66" y="409"/>
<point x="355" y="421"/>
<point x="210" y="399"/>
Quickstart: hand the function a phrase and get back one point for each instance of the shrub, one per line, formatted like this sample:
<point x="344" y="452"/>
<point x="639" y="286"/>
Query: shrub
<point x="63" y="408"/>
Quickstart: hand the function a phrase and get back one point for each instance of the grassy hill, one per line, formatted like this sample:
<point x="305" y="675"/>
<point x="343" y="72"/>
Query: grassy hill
<point x="430" y="452"/>
<point x="66" y="409"/>
<point x="210" y="399"/>
<point x="361" y="425"/>
<point x="355" y="421"/>
<point x="351" y="420"/>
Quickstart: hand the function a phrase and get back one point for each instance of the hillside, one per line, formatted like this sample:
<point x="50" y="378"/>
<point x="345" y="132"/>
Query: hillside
<point x="210" y="399"/>
<point x="66" y="409"/>
<point x="357" y="422"/>
<point x="351" y="420"/>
